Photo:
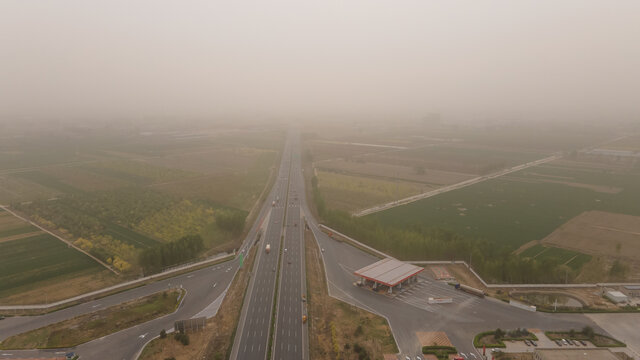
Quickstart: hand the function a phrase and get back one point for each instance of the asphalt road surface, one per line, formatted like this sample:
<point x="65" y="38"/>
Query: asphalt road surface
<point x="291" y="339"/>
<point x="202" y="286"/>
<point x="407" y="312"/>
<point x="255" y="321"/>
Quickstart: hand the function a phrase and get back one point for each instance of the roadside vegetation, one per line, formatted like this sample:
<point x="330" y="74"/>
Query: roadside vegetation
<point x="496" y="338"/>
<point x="338" y="330"/>
<point x="440" y="352"/>
<point x="483" y="224"/>
<point x="216" y="340"/>
<point x="587" y="334"/>
<point x="97" y="324"/>
<point x="127" y="195"/>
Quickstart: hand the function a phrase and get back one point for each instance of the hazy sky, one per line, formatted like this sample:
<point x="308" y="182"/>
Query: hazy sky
<point x="317" y="59"/>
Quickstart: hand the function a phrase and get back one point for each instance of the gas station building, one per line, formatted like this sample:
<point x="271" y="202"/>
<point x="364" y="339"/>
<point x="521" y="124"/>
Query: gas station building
<point x="390" y="273"/>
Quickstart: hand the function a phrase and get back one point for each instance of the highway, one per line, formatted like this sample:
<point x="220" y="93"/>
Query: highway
<point x="205" y="288"/>
<point x="407" y="313"/>
<point x="254" y="326"/>
<point x="291" y="336"/>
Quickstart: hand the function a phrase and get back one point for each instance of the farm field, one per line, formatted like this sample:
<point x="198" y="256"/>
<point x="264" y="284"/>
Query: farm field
<point x="630" y="143"/>
<point x="523" y="206"/>
<point x="431" y="155"/>
<point x="43" y="260"/>
<point x="600" y="233"/>
<point x="350" y="192"/>
<point x="115" y="192"/>
<point x="11" y="226"/>
<point x="575" y="260"/>
<point x="461" y="158"/>
<point x="429" y="177"/>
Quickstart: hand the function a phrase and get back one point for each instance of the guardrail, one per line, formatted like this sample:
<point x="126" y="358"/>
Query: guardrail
<point x="484" y="283"/>
<point x="111" y="288"/>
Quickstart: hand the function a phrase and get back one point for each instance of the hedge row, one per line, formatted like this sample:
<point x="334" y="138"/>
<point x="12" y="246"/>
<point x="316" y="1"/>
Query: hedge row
<point x="579" y="336"/>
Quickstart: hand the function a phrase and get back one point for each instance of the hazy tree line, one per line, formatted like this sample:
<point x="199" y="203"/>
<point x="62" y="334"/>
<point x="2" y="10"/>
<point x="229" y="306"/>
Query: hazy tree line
<point x="495" y="262"/>
<point x="90" y="217"/>
<point x="156" y="258"/>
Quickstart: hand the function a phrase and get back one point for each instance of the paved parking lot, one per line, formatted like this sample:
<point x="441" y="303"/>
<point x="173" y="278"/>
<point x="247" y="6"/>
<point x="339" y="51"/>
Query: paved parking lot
<point x="418" y="295"/>
<point x="624" y="327"/>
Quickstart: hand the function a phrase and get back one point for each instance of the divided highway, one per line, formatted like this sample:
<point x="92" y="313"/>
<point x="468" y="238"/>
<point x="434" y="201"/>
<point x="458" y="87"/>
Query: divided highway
<point x="290" y="341"/>
<point x="254" y="327"/>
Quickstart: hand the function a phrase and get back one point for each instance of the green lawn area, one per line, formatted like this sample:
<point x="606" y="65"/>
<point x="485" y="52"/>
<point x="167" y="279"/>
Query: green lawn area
<point x="512" y="212"/>
<point x="40" y="258"/>
<point x="91" y="326"/>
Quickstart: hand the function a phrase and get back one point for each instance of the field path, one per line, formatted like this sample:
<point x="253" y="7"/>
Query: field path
<point x="69" y="243"/>
<point x="457" y="186"/>
<point x="20" y="236"/>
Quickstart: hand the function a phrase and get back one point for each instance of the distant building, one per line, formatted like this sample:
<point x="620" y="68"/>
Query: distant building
<point x="574" y="354"/>
<point x="616" y="296"/>
<point x="632" y="290"/>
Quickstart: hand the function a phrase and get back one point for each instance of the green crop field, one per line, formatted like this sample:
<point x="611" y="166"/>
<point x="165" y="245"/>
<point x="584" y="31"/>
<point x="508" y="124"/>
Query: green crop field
<point x="48" y="181"/>
<point x="40" y="259"/>
<point x="573" y="259"/>
<point x="512" y="212"/>
<point x="17" y="231"/>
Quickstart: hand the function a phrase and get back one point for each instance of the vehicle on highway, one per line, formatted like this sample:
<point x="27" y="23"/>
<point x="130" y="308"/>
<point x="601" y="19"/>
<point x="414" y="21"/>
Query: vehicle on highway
<point x="268" y="248"/>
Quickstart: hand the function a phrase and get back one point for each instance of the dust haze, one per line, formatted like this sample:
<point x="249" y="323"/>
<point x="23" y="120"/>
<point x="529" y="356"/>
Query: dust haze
<point x="313" y="60"/>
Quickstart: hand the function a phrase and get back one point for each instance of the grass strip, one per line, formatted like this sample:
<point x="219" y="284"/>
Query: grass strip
<point x="83" y="328"/>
